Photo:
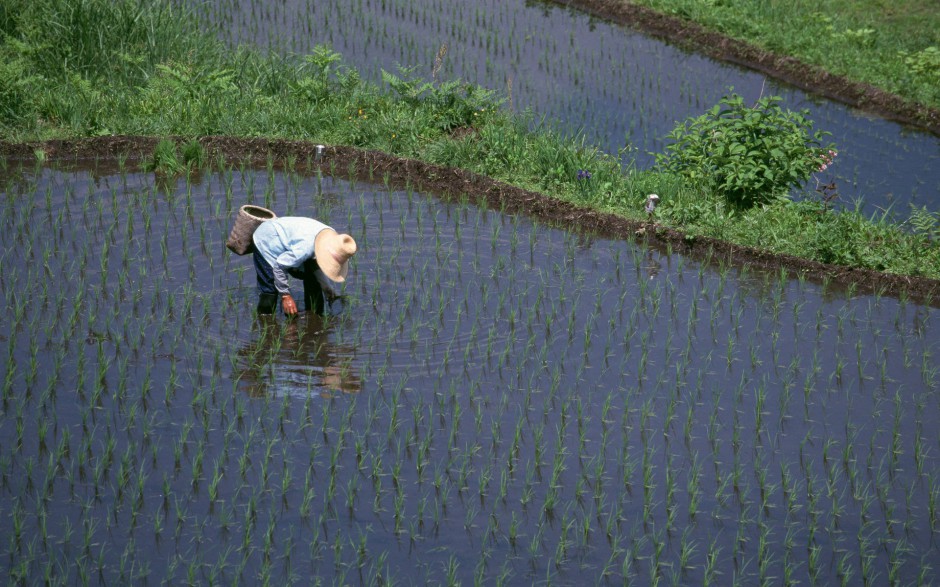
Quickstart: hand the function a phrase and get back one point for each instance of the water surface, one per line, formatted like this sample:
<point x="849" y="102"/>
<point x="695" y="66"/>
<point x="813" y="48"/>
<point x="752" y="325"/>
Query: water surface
<point x="492" y="399"/>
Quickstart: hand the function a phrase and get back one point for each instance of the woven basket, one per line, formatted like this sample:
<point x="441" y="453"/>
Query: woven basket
<point x="248" y="219"/>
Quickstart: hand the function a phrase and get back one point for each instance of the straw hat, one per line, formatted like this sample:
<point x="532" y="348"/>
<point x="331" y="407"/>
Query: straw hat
<point x="333" y="251"/>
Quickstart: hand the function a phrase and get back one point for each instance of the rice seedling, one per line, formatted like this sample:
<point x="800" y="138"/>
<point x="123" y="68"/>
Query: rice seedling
<point x="473" y="396"/>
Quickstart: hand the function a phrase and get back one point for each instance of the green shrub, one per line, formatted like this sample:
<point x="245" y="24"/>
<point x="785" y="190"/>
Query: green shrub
<point x="750" y="155"/>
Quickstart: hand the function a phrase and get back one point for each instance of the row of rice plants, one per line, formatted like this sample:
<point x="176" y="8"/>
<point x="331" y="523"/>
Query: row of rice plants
<point x="492" y="401"/>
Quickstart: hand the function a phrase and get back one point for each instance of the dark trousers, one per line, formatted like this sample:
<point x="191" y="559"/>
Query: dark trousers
<point x="313" y="293"/>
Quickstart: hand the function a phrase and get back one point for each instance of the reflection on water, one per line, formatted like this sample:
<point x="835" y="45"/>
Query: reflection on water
<point x="652" y="264"/>
<point x="296" y="357"/>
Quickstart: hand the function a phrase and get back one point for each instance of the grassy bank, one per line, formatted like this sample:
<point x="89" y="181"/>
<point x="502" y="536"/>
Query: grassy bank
<point x="894" y="46"/>
<point x="73" y="69"/>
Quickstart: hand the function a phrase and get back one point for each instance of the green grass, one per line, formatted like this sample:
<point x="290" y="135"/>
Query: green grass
<point x="77" y="69"/>
<point x="886" y="44"/>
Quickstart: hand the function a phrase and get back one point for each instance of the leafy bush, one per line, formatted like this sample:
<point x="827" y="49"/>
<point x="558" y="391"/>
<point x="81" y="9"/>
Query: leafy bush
<point x="750" y="155"/>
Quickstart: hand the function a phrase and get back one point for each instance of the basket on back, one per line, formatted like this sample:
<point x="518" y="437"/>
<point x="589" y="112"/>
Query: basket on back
<point x="248" y="219"/>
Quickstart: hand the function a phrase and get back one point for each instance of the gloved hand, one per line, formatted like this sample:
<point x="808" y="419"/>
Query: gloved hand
<point x="289" y="305"/>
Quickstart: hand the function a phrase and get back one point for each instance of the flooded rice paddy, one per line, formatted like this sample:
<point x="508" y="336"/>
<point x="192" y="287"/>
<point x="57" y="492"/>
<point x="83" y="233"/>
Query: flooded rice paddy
<point x="619" y="87"/>
<point x="492" y="401"/>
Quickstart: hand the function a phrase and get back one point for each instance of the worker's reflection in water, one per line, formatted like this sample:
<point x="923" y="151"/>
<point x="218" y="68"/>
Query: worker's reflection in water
<point x="297" y="358"/>
<point x="652" y="265"/>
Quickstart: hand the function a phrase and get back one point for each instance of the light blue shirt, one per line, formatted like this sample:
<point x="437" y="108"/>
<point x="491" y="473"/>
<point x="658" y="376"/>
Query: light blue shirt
<point x="286" y="242"/>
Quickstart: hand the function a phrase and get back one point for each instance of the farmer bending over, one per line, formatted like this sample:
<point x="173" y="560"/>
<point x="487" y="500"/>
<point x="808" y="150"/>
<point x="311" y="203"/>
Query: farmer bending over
<point x="303" y="248"/>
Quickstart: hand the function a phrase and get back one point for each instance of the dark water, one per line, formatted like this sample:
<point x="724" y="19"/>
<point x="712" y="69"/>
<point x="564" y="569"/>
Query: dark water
<point x="493" y="399"/>
<point x="617" y="86"/>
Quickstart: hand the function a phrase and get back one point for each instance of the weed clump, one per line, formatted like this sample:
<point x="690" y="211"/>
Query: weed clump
<point x="167" y="159"/>
<point x="164" y="159"/>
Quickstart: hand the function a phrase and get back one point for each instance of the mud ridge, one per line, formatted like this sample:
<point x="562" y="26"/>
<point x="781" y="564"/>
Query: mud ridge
<point x="458" y="184"/>
<point x="807" y="77"/>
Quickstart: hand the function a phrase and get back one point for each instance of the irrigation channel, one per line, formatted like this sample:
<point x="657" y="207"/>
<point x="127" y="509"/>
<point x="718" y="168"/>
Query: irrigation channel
<point x="493" y="400"/>
<point x="616" y="85"/>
